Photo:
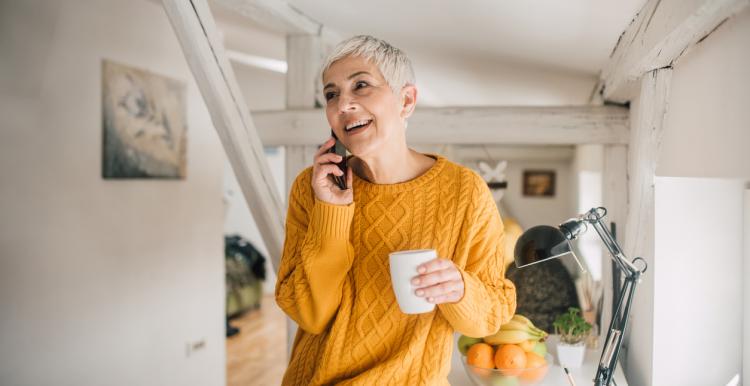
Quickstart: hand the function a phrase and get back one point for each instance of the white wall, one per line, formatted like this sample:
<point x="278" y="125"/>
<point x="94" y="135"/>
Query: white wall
<point x="102" y="282"/>
<point x="698" y="281"/>
<point x="459" y="80"/>
<point x="587" y="192"/>
<point x="531" y="211"/>
<point x="705" y="136"/>
<point x="708" y="119"/>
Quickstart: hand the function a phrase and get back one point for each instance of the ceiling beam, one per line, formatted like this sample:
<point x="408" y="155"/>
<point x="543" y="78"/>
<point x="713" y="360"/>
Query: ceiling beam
<point x="196" y="31"/>
<point x="280" y="16"/>
<point x="569" y="125"/>
<point x="277" y="15"/>
<point x="490" y="153"/>
<point x="658" y="35"/>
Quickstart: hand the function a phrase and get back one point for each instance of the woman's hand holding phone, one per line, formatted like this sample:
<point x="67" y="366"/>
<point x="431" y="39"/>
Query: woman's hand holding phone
<point x="324" y="187"/>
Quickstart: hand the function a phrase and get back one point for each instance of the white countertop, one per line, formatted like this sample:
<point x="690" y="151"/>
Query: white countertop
<point x="555" y="376"/>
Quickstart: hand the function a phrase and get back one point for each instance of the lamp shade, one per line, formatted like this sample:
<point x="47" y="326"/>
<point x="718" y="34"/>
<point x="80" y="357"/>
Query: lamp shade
<point x="540" y="243"/>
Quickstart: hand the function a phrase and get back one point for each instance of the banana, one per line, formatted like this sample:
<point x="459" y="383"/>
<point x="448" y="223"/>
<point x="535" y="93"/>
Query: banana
<point x="522" y="319"/>
<point x="510" y="337"/>
<point x="515" y="325"/>
<point x="519" y="329"/>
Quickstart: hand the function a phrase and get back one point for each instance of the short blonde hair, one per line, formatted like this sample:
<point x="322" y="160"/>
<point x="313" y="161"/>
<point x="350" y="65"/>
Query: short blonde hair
<point x="391" y="61"/>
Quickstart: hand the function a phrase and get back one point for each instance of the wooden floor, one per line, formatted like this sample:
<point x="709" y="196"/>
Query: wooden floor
<point x="257" y="355"/>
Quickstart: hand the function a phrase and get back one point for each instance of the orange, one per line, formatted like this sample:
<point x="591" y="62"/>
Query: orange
<point x="480" y="355"/>
<point x="510" y="359"/>
<point x="536" y="367"/>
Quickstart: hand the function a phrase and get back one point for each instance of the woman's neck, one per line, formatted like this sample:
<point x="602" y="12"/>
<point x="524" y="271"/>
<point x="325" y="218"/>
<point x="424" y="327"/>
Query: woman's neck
<point x="398" y="166"/>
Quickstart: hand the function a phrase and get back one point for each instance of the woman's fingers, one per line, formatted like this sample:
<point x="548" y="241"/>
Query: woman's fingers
<point x="439" y="282"/>
<point x="322" y="171"/>
<point x="324" y="147"/>
<point x="432" y="278"/>
<point x="328" y="158"/>
<point x="440" y="288"/>
<point x="434" y="265"/>
<point x="324" y="164"/>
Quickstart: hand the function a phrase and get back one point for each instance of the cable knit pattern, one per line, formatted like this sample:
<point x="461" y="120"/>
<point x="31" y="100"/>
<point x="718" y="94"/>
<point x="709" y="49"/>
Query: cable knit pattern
<point x="334" y="278"/>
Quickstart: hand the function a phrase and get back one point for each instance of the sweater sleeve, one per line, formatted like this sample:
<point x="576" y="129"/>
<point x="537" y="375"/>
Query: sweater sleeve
<point x="489" y="299"/>
<point x="316" y="258"/>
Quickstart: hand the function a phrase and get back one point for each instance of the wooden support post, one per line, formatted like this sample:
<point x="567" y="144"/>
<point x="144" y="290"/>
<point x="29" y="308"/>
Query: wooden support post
<point x="304" y="58"/>
<point x="645" y="143"/>
<point x="615" y="199"/>
<point x="204" y="51"/>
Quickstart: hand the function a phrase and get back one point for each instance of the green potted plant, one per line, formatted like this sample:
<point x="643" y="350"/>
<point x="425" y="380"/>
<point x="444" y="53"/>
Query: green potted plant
<point x="573" y="330"/>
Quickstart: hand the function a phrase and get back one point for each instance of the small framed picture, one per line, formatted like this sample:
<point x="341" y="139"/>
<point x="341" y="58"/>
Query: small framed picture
<point x="539" y="183"/>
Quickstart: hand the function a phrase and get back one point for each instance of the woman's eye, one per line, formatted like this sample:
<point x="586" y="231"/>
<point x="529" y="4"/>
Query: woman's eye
<point x="360" y="84"/>
<point x="330" y="95"/>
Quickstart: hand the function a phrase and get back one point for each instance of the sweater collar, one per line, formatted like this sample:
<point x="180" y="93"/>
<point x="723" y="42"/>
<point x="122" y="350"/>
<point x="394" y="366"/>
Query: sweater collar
<point x="361" y="185"/>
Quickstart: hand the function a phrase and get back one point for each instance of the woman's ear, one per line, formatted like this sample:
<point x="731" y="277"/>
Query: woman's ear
<point x="408" y="100"/>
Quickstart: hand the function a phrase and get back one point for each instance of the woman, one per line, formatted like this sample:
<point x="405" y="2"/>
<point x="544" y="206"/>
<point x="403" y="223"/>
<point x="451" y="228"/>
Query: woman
<point x="334" y="276"/>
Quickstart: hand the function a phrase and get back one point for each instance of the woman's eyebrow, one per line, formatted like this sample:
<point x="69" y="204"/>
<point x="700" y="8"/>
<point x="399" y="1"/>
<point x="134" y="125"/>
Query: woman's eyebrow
<point x="349" y="77"/>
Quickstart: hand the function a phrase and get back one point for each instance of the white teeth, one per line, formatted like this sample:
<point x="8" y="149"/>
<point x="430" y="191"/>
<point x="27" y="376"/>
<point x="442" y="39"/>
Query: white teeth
<point x="358" y="123"/>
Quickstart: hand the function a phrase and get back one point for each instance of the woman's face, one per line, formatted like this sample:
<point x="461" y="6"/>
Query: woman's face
<point x="361" y="108"/>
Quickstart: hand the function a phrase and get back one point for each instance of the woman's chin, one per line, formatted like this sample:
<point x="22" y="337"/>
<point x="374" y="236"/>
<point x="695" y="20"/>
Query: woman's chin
<point x="363" y="150"/>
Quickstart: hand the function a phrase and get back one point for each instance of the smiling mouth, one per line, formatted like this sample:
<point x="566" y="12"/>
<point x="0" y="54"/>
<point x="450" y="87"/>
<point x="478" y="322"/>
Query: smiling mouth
<point x="358" y="125"/>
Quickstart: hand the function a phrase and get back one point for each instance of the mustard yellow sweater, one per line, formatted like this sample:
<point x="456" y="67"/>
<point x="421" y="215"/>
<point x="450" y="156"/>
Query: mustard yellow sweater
<point x="334" y="278"/>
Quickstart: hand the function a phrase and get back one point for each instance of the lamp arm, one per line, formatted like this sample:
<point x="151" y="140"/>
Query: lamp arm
<point x="594" y="217"/>
<point x="611" y="350"/>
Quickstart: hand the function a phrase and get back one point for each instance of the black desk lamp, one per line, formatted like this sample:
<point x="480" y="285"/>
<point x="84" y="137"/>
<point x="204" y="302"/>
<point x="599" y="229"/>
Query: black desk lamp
<point x="544" y="242"/>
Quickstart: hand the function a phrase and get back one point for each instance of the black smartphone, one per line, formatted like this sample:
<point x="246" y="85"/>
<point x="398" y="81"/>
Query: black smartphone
<point x="339" y="149"/>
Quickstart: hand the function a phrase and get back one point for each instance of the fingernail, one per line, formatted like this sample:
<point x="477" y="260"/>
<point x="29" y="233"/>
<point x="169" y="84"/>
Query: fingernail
<point x="420" y="292"/>
<point x="430" y="300"/>
<point x="415" y="281"/>
<point x="422" y="269"/>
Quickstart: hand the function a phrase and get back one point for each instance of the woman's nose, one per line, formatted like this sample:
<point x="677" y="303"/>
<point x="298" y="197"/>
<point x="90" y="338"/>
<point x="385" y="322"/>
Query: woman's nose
<point x="346" y="103"/>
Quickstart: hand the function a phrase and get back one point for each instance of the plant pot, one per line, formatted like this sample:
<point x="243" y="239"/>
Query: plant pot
<point x="571" y="355"/>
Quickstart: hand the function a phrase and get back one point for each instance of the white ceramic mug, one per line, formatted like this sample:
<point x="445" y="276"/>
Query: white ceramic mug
<point x="403" y="269"/>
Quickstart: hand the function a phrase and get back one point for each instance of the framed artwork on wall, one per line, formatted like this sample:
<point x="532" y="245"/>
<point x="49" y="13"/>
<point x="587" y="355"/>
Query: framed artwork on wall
<point x="539" y="183"/>
<point x="144" y="124"/>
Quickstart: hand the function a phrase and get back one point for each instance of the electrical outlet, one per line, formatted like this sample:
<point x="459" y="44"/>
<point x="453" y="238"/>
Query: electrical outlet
<point x="192" y="347"/>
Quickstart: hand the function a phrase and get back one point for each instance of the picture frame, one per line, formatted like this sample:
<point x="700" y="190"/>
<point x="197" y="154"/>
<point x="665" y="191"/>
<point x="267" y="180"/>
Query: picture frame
<point x="144" y="124"/>
<point x="539" y="183"/>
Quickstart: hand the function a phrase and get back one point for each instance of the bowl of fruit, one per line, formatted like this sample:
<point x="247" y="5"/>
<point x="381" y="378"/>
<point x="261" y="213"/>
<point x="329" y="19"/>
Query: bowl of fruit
<point x="515" y="355"/>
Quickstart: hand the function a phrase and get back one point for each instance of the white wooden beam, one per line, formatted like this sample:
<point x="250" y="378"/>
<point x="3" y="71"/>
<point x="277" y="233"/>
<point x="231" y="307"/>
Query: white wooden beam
<point x="468" y="125"/>
<point x="304" y="56"/>
<point x="198" y="36"/>
<point x="280" y="16"/>
<point x="643" y="152"/>
<point x="657" y="37"/>
<point x="615" y="199"/>
<point x="475" y="153"/>
<point x="277" y="15"/>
